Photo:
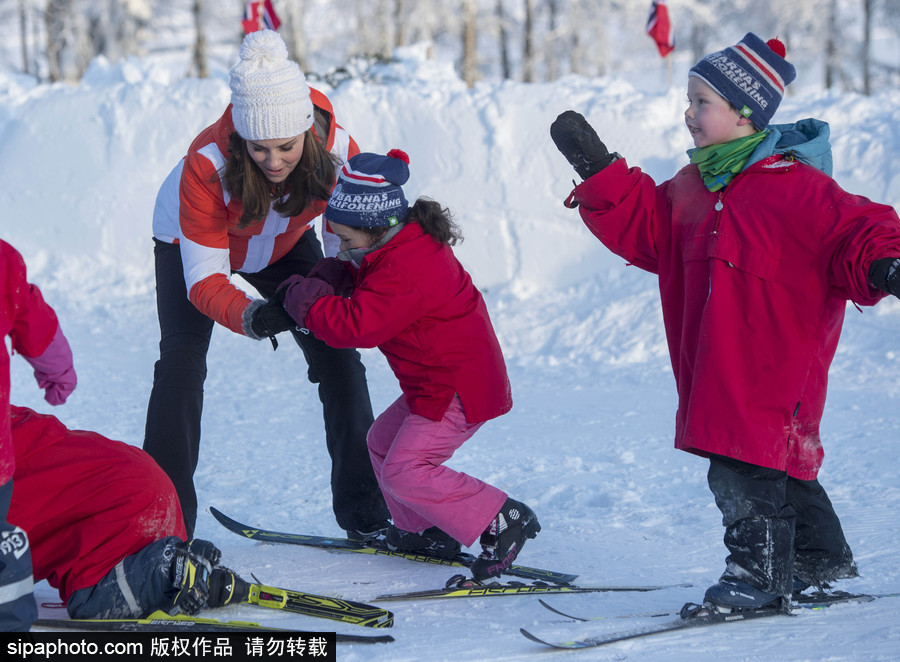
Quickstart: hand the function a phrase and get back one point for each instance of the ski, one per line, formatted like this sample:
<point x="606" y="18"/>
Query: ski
<point x="459" y="586"/>
<point x="692" y="616"/>
<point x="813" y="600"/>
<point x="320" y="606"/>
<point x="462" y="560"/>
<point x="818" y="599"/>
<point x="649" y="614"/>
<point x="160" y="621"/>
<point x="700" y="618"/>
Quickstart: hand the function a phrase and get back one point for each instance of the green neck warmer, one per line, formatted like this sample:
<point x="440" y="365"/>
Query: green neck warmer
<point x="720" y="163"/>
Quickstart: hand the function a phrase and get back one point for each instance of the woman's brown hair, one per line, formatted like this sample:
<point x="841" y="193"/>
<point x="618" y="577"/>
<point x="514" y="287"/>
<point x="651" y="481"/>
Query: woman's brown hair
<point x="311" y="180"/>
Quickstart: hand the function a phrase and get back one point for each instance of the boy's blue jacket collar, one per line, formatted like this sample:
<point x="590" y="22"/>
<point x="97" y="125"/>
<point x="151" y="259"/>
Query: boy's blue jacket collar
<point x="805" y="141"/>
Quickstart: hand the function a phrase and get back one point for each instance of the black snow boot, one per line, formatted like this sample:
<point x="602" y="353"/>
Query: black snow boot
<point x="226" y="588"/>
<point x="433" y="542"/>
<point x="503" y="539"/>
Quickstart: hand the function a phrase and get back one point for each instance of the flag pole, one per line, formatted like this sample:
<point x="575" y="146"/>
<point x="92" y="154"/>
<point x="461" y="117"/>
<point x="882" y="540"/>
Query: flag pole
<point x="669" y="67"/>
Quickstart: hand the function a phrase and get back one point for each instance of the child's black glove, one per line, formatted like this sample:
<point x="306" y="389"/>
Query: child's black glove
<point x="579" y="143"/>
<point x="884" y="274"/>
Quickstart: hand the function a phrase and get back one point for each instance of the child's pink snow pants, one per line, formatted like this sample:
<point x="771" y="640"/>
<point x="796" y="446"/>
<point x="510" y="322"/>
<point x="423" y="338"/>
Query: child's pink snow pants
<point x="408" y="452"/>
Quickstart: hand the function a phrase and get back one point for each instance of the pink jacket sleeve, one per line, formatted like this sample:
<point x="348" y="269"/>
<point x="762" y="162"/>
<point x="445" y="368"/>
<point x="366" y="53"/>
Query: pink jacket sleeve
<point x="54" y="369"/>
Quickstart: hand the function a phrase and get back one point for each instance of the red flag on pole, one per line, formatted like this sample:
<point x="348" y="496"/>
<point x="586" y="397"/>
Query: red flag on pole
<point x="659" y="27"/>
<point x="259" y="14"/>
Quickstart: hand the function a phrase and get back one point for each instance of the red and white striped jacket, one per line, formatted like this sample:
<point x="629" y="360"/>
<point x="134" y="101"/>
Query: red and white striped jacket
<point x="194" y="210"/>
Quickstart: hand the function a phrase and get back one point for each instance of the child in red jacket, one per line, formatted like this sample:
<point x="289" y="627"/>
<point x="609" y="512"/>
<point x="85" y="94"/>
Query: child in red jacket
<point x="757" y="250"/>
<point x="96" y="518"/>
<point x="35" y="334"/>
<point x="408" y="295"/>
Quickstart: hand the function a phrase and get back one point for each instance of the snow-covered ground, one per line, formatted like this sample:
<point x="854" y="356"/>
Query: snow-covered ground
<point x="589" y="441"/>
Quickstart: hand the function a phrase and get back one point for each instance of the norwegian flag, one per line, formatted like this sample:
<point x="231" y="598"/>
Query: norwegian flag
<point x="260" y="14"/>
<point x="659" y="27"/>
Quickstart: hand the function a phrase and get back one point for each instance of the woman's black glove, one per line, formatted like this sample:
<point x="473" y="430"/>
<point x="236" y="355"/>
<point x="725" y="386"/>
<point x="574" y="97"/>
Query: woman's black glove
<point x="265" y="319"/>
<point x="579" y="143"/>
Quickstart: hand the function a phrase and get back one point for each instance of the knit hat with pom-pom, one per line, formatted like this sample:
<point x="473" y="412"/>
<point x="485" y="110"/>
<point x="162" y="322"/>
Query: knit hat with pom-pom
<point x="751" y="76"/>
<point x="269" y="95"/>
<point x="368" y="193"/>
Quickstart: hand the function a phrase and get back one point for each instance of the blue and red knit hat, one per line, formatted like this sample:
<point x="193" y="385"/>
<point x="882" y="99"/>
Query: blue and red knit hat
<point x="751" y="76"/>
<point x="368" y="193"/>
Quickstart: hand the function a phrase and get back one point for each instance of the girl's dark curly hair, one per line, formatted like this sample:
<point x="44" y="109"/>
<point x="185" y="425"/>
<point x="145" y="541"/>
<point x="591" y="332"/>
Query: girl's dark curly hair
<point x="434" y="219"/>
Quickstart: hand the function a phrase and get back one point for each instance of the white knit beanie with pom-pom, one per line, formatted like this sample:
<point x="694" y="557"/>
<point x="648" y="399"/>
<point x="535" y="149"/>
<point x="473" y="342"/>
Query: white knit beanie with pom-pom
<point x="269" y="94"/>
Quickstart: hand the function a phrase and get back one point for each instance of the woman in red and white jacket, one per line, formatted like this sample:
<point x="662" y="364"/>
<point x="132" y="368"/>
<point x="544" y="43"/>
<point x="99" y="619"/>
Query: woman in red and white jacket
<point x="244" y="200"/>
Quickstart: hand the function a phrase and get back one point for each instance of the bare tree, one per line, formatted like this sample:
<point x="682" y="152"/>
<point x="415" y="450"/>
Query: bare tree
<point x="470" y="49"/>
<point x="868" y="6"/>
<point x="294" y="35"/>
<point x="528" y="64"/>
<point x="199" y="60"/>
<point x="55" y="21"/>
<point x="530" y="40"/>
<point x="399" y="24"/>
<point x="576" y="54"/>
<point x="23" y="35"/>
<point x="831" y="55"/>
<point x="503" y="41"/>
<point x="551" y="54"/>
<point x="373" y="33"/>
<point x="114" y="29"/>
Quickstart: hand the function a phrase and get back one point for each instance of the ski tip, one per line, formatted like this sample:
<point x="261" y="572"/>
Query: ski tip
<point x="531" y="637"/>
<point x="560" y="613"/>
<point x="233" y="525"/>
<point x="219" y="515"/>
<point x="363" y="639"/>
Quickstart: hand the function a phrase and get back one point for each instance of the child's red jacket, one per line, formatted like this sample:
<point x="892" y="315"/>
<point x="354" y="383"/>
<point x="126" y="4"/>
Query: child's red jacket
<point x="415" y="302"/>
<point x="754" y="281"/>
<point x="30" y="324"/>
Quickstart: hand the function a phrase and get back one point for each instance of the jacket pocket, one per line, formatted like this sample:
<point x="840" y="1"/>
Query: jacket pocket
<point x="753" y="260"/>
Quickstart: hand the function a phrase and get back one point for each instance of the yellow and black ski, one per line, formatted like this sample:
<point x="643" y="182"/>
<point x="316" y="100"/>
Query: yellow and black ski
<point x="320" y="606"/>
<point x="160" y="621"/>
<point x="460" y="586"/>
<point x="377" y="548"/>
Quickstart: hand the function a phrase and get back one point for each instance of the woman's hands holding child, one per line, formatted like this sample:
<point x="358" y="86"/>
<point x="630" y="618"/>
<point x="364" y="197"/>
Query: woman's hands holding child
<point x="287" y="308"/>
<point x="266" y="319"/>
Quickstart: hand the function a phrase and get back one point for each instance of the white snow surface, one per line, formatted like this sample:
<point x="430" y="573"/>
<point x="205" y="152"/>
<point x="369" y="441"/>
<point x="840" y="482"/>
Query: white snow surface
<point x="588" y="443"/>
